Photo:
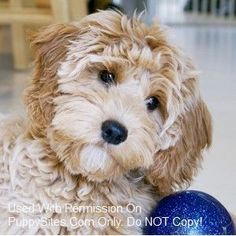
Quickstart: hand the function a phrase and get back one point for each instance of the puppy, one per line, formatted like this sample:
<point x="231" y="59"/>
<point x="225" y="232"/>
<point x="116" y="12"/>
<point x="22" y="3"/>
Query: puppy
<point x="115" y="121"/>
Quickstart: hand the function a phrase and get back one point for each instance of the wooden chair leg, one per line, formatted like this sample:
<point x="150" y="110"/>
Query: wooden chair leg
<point x="19" y="44"/>
<point x="78" y="9"/>
<point x="68" y="10"/>
<point x="60" y="10"/>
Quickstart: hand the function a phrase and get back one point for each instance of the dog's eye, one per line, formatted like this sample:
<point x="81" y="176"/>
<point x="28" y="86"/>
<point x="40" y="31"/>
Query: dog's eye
<point x="107" y="77"/>
<point x="152" y="103"/>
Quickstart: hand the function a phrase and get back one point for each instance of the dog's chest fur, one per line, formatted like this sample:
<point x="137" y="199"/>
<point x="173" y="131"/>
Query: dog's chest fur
<point x="32" y="176"/>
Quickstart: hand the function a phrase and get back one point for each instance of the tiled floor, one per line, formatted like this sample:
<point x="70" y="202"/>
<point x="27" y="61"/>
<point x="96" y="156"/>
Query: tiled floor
<point x="214" y="51"/>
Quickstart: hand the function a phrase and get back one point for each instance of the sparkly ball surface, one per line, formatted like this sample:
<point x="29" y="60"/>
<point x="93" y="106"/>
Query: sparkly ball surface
<point x="189" y="212"/>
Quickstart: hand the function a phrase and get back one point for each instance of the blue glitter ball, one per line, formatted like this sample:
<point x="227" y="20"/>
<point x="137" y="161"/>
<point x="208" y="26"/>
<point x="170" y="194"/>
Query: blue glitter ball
<point x="189" y="212"/>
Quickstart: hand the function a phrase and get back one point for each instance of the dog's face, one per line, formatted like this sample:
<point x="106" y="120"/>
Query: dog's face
<point x="112" y="95"/>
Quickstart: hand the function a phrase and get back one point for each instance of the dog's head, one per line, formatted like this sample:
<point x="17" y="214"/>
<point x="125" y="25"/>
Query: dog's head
<point x="111" y="95"/>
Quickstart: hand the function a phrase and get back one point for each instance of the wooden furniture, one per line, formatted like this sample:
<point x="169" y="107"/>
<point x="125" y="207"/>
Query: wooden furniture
<point x="22" y="13"/>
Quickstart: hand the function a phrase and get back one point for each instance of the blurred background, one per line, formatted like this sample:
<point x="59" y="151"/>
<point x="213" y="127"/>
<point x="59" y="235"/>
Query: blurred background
<point x="204" y="29"/>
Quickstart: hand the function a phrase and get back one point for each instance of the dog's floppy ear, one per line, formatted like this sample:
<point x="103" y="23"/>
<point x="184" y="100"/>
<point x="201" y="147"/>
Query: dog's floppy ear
<point x="50" y="46"/>
<point x="175" y="166"/>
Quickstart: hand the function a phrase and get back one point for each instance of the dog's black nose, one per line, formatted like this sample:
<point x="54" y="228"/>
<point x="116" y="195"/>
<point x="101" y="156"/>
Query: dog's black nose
<point x="113" y="132"/>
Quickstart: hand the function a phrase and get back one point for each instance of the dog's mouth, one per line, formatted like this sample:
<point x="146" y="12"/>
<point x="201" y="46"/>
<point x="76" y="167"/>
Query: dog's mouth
<point x="97" y="163"/>
<point x="104" y="161"/>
